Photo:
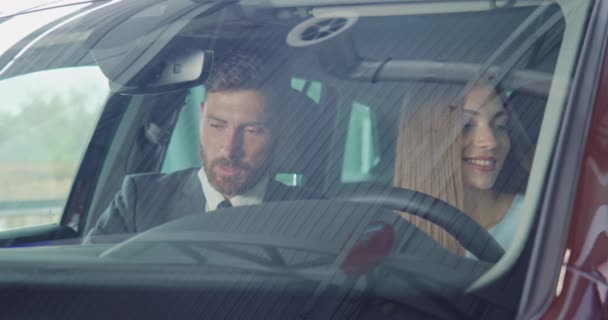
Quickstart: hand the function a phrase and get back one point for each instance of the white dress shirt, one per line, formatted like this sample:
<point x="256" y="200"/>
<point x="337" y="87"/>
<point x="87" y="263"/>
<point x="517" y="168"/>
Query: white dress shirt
<point x="252" y="196"/>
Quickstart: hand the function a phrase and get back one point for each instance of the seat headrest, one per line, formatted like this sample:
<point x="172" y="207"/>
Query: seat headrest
<point x="305" y="135"/>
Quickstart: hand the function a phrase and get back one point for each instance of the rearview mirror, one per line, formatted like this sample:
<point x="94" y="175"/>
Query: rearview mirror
<point x="172" y="70"/>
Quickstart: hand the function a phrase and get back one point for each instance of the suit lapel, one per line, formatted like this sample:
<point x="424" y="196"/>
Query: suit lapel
<point x="191" y="198"/>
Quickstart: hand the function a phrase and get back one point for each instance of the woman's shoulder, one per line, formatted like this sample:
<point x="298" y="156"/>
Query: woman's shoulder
<point x="517" y="202"/>
<point x="513" y="203"/>
<point x="503" y="232"/>
<point x="510" y="202"/>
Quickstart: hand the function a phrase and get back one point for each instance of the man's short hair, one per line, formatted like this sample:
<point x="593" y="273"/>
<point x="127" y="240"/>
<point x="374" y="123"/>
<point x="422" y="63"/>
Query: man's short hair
<point x="250" y="70"/>
<point x="235" y="71"/>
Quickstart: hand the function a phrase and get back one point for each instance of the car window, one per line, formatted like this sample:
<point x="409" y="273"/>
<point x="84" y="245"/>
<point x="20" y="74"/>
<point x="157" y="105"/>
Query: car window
<point x="361" y="150"/>
<point x="44" y="130"/>
<point x="377" y="124"/>
<point x="183" y="150"/>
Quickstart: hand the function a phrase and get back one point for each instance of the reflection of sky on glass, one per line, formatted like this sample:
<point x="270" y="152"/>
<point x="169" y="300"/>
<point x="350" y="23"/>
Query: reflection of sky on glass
<point x="90" y="80"/>
<point x="20" y="26"/>
<point x="17" y="90"/>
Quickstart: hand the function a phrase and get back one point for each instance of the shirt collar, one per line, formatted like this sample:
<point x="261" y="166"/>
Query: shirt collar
<point x="213" y="197"/>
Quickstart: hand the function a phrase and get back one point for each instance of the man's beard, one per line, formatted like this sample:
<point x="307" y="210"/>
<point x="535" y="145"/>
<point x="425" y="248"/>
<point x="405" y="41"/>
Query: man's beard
<point x="247" y="178"/>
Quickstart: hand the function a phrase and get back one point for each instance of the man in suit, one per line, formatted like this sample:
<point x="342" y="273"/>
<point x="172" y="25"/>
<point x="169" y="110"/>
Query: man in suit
<point x="239" y="125"/>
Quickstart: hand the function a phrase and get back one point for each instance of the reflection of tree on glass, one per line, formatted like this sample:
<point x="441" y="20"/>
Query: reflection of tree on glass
<point x="59" y="126"/>
<point x="456" y="154"/>
<point x="43" y="134"/>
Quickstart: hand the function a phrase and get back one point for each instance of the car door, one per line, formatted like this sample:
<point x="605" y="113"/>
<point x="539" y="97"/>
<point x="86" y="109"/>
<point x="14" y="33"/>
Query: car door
<point x="567" y="278"/>
<point x="61" y="113"/>
<point x="57" y="117"/>
<point x="46" y="121"/>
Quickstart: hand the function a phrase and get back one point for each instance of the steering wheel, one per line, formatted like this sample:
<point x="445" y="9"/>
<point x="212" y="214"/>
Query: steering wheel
<point x="462" y="227"/>
<point x="222" y="241"/>
<point x="353" y="207"/>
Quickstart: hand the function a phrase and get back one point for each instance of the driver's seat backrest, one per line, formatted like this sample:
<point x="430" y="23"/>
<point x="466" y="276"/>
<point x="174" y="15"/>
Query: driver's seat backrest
<point x="526" y="112"/>
<point x="305" y="138"/>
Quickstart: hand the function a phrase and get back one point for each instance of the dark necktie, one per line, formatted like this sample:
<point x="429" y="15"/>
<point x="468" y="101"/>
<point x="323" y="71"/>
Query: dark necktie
<point x="224" y="204"/>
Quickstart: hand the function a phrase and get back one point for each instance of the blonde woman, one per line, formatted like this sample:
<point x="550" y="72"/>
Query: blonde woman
<point x="456" y="153"/>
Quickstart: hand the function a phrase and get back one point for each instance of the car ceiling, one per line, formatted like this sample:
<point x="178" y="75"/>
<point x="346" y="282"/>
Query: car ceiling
<point x="67" y="44"/>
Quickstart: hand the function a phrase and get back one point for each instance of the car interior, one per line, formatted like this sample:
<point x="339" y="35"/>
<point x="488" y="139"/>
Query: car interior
<point x="350" y="77"/>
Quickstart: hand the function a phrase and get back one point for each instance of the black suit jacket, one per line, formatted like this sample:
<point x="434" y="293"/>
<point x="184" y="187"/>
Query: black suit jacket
<point x="150" y="199"/>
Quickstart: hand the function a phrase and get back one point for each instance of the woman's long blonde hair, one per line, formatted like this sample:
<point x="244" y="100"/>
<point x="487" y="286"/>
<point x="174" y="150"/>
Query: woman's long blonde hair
<point x="429" y="150"/>
<point x="428" y="155"/>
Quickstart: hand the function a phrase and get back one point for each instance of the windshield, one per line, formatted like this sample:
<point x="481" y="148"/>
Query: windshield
<point x="397" y="142"/>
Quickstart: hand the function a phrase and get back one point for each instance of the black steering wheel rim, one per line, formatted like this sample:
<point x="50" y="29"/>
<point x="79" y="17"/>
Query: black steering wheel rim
<point x="471" y="235"/>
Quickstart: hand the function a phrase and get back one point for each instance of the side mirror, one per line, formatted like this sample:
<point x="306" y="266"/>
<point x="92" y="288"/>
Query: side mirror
<point x="172" y="70"/>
